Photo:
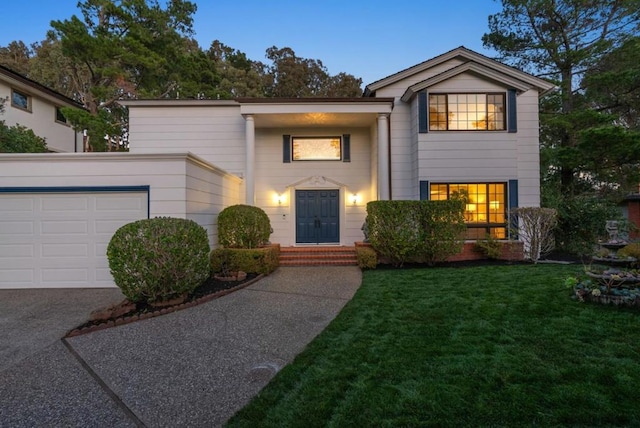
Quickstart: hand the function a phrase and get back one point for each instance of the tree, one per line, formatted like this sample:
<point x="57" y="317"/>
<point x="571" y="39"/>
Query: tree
<point x="561" y="40"/>
<point x="121" y="49"/>
<point x="290" y="76"/>
<point x="584" y="151"/>
<point x="239" y="75"/>
<point x="16" y="56"/>
<point x="613" y="84"/>
<point x="18" y="139"/>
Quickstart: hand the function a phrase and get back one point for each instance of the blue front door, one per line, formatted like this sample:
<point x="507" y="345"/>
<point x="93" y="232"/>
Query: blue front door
<point x="317" y="216"/>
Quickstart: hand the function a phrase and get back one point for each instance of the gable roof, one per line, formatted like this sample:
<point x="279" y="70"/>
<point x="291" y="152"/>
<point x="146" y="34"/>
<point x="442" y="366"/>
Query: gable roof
<point x="34" y="88"/>
<point x="474" y="62"/>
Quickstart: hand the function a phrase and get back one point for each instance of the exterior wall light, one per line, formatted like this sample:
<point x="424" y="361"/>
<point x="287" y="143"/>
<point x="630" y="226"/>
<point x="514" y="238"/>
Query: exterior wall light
<point x="279" y="198"/>
<point x="354" y="199"/>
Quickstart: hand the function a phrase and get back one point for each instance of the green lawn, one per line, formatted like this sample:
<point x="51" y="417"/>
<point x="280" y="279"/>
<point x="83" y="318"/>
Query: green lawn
<point x="481" y="346"/>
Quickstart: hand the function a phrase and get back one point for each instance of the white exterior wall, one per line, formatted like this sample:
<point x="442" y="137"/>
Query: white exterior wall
<point x="467" y="156"/>
<point x="209" y="191"/>
<point x="404" y="165"/>
<point x="528" y="141"/>
<point x="181" y="185"/>
<point x="214" y="133"/>
<point x="41" y="119"/>
<point x="275" y="177"/>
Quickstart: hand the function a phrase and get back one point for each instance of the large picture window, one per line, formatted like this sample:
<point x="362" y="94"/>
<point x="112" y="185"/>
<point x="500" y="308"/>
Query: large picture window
<point x="317" y="148"/>
<point x="485" y="209"/>
<point x="467" y="112"/>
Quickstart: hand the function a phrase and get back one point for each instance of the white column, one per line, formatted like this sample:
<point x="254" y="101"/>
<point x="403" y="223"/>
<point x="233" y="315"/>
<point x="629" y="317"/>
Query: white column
<point x="383" y="157"/>
<point x="250" y="161"/>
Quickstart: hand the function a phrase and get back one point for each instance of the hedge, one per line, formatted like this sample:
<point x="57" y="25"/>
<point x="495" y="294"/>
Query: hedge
<point x="367" y="258"/>
<point x="255" y="260"/>
<point x="417" y="231"/>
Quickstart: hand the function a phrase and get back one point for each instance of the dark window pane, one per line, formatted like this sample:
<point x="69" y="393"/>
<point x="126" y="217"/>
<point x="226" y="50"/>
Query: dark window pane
<point x="20" y="100"/>
<point x="60" y="116"/>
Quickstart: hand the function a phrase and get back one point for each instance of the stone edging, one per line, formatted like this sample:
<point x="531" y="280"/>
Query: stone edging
<point x="133" y="318"/>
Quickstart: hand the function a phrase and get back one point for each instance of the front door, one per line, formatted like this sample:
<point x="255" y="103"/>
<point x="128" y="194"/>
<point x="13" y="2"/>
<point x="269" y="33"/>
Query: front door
<point x="317" y="216"/>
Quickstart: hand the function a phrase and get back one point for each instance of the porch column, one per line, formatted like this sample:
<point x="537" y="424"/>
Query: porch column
<point x="250" y="161"/>
<point x="383" y="157"/>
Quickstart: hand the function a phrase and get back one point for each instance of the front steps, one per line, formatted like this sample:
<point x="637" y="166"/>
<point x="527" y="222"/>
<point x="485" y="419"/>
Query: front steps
<point x="318" y="256"/>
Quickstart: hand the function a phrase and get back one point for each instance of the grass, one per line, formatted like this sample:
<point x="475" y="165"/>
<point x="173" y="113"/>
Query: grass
<point x="481" y="346"/>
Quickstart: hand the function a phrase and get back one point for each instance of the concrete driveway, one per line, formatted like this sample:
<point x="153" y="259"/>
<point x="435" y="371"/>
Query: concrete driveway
<point x="31" y="320"/>
<point x="195" y="367"/>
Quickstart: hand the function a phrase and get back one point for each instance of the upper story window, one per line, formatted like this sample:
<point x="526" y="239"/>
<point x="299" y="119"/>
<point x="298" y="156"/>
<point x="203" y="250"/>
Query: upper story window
<point x="20" y="100"/>
<point x="60" y="116"/>
<point x="467" y="112"/>
<point x="317" y="148"/>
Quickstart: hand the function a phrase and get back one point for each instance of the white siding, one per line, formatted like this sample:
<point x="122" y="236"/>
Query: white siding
<point x="208" y="193"/>
<point x="397" y="89"/>
<point x="468" y="156"/>
<point x="275" y="177"/>
<point x="41" y="119"/>
<point x="214" y="133"/>
<point x="528" y="137"/>
<point x="403" y="177"/>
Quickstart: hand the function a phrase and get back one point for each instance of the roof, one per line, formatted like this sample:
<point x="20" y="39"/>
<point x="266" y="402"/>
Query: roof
<point x="482" y="65"/>
<point x="45" y="91"/>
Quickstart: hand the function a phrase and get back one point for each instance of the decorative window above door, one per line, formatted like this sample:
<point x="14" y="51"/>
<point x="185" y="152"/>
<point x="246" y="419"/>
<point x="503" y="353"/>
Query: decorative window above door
<point x="317" y="148"/>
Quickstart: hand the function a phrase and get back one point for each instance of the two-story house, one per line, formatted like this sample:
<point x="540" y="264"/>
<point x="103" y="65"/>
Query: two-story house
<point x="38" y="108"/>
<point x="457" y="122"/>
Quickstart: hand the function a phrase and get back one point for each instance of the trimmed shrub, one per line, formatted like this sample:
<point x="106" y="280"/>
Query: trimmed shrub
<point x="243" y="226"/>
<point x="394" y="229"/>
<point x="159" y="259"/>
<point x="255" y="260"/>
<point x="421" y="231"/>
<point x="367" y="258"/>
<point x="443" y="229"/>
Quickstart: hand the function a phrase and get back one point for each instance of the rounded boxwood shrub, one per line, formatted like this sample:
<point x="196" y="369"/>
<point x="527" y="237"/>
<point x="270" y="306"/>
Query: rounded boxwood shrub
<point x="159" y="259"/>
<point x="243" y="226"/>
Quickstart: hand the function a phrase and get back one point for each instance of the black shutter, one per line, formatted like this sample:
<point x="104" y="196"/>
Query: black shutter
<point x="286" y="148"/>
<point x="424" y="190"/>
<point x="512" y="115"/>
<point x="346" y="148"/>
<point x="513" y="203"/>
<point x="423" y="124"/>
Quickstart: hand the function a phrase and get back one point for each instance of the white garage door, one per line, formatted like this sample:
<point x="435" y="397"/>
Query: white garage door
<point x="59" y="240"/>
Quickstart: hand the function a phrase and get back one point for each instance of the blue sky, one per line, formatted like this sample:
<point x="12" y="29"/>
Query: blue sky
<point x="369" y="39"/>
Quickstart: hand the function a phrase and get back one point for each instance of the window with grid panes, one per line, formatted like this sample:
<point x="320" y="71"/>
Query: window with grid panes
<point x="485" y="209"/>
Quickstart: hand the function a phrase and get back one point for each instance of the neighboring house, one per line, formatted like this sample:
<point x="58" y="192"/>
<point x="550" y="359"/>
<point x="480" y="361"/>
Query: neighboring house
<point x="459" y="122"/>
<point x="37" y="107"/>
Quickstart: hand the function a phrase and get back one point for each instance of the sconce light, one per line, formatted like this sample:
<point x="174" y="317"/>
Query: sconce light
<point x="279" y="198"/>
<point x="354" y="198"/>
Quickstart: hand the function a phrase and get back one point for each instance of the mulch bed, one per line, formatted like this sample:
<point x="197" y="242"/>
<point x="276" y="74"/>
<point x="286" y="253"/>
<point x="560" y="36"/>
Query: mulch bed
<point x="127" y="312"/>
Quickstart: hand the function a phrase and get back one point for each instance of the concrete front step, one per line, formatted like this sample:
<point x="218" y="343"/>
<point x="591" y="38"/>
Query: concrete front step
<point x="318" y="256"/>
